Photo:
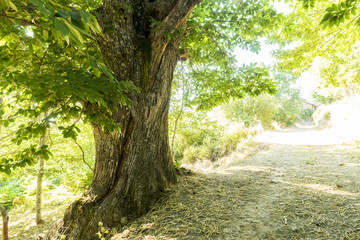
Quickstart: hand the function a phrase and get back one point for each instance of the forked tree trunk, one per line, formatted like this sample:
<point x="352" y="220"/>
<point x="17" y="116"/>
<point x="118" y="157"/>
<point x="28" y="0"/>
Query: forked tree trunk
<point x="133" y="166"/>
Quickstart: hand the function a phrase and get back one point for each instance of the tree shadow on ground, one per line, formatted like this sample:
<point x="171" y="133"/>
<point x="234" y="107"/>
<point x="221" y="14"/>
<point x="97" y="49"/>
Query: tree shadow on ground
<point x="286" y="192"/>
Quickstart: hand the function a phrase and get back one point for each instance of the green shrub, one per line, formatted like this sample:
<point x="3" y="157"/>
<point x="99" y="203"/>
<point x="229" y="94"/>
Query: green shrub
<point x="327" y="98"/>
<point x="251" y="109"/>
<point x="289" y="110"/>
<point x="56" y="180"/>
<point x="194" y="153"/>
<point x="306" y="113"/>
<point x="207" y="140"/>
<point x="194" y="143"/>
<point x="9" y="191"/>
<point x="231" y="139"/>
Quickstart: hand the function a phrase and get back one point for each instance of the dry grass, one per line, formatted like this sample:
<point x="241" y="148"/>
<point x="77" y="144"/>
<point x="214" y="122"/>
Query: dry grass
<point x="271" y="195"/>
<point x="22" y="224"/>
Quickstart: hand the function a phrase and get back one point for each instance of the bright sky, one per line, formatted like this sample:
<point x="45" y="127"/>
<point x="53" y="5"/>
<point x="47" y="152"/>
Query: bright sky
<point x="264" y="56"/>
<point x="308" y="82"/>
<point x="247" y="57"/>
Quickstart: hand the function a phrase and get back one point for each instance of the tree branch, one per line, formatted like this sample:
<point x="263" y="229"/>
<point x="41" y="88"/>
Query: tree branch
<point x="6" y="136"/>
<point x="23" y="21"/>
<point x="179" y="115"/>
<point x="158" y="38"/>
<point x="83" y="155"/>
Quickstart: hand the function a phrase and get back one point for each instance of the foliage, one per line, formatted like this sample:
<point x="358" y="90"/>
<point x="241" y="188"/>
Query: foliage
<point x="51" y="65"/>
<point x="336" y="13"/>
<point x="253" y="109"/>
<point x="285" y="107"/>
<point x="290" y="108"/>
<point x="215" y="29"/>
<point x="325" y="31"/>
<point x="306" y="113"/>
<point x="289" y="111"/>
<point x="103" y="231"/>
<point x="65" y="174"/>
<point x="233" y="137"/>
<point x="11" y="190"/>
<point x="341" y="71"/>
<point x="199" y="138"/>
<point x="326" y="99"/>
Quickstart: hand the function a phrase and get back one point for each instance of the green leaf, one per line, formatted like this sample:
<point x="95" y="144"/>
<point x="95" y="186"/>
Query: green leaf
<point x="86" y="16"/>
<point x="3" y="41"/>
<point x="44" y="147"/>
<point x="63" y="13"/>
<point x="13" y="6"/>
<point x="61" y="27"/>
<point x="329" y="9"/>
<point x="41" y="7"/>
<point x="347" y="15"/>
<point x="4" y="4"/>
<point x="75" y="35"/>
<point x="353" y="11"/>
<point x="45" y="156"/>
<point x="18" y="142"/>
<point x="7" y="170"/>
<point x="94" y="25"/>
<point x="83" y="32"/>
<point x="45" y="34"/>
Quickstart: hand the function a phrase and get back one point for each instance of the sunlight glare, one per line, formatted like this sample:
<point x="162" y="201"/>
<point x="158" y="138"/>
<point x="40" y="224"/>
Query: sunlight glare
<point x="29" y="33"/>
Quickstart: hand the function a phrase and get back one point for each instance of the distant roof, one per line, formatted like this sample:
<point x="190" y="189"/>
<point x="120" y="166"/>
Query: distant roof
<point x="315" y="104"/>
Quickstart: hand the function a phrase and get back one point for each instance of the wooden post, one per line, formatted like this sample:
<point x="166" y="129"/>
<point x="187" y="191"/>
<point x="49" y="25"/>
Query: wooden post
<point x="5" y="222"/>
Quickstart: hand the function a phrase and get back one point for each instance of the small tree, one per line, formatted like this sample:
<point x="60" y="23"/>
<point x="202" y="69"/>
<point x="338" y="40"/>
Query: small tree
<point x="5" y="222"/>
<point x="39" y="181"/>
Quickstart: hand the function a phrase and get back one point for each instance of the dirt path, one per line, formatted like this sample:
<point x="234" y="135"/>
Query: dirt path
<point x="297" y="187"/>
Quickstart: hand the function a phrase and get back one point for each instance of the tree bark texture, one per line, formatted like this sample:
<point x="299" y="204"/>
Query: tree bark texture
<point x="39" y="183"/>
<point x="133" y="166"/>
<point x="5" y="222"/>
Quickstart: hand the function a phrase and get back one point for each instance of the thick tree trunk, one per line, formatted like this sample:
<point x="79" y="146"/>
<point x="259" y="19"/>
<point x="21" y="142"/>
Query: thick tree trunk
<point x="134" y="166"/>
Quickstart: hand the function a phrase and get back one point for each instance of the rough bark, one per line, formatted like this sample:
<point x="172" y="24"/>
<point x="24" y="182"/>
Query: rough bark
<point x="133" y="167"/>
<point x="39" y="183"/>
<point x="5" y="222"/>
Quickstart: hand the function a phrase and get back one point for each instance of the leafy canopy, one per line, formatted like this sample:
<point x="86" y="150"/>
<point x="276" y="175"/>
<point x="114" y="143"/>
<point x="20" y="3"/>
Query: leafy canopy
<point x="326" y="31"/>
<point x="50" y="64"/>
<point x="52" y="68"/>
<point x="214" y="30"/>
